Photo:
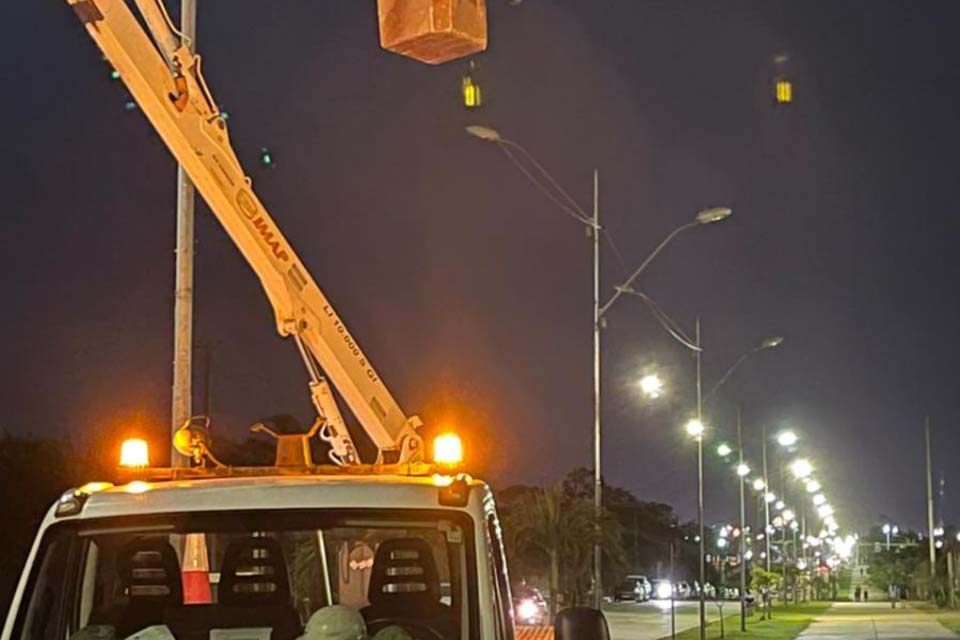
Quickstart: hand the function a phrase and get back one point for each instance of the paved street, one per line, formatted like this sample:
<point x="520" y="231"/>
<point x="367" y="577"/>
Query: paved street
<point x="651" y="620"/>
<point x="875" y="621"/>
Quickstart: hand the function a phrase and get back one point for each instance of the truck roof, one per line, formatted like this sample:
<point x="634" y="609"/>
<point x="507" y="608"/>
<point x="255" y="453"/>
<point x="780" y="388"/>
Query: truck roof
<point x="272" y="492"/>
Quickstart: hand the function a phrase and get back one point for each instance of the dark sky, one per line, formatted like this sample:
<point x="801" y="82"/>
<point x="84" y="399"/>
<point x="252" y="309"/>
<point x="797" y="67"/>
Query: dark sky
<point x="467" y="288"/>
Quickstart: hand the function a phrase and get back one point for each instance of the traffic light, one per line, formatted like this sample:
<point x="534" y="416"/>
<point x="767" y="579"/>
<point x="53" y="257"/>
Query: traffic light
<point x="783" y="91"/>
<point x="266" y="158"/>
<point x="470" y="88"/>
<point x="782" y="85"/>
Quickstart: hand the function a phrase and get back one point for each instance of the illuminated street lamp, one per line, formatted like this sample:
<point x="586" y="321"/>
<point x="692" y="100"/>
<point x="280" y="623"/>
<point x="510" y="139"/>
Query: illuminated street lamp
<point x="813" y="486"/>
<point x="759" y="484"/>
<point x="819" y="499"/>
<point x="787" y="438"/>
<point x="652" y="386"/>
<point x="723" y="450"/>
<point x="743" y="470"/>
<point x="695" y="429"/>
<point x="801" y="468"/>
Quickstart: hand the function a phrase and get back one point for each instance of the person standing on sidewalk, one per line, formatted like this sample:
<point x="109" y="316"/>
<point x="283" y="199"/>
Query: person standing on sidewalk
<point x="894" y="594"/>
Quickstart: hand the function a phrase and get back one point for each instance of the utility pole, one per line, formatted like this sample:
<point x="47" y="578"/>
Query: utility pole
<point x="183" y="298"/>
<point x="702" y="552"/>
<point x="743" y="532"/>
<point x="933" y="551"/>
<point x="597" y="477"/>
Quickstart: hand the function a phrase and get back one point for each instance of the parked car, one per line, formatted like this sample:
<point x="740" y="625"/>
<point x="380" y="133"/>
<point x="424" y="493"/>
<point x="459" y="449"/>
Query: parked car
<point x="635" y="588"/>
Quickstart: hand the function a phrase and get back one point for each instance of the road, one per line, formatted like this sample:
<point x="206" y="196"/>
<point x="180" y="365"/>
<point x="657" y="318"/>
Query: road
<point x="875" y="621"/>
<point x="651" y="620"/>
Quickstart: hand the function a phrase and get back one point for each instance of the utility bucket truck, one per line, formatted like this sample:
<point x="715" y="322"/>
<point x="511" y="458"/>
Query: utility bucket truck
<point x="398" y="547"/>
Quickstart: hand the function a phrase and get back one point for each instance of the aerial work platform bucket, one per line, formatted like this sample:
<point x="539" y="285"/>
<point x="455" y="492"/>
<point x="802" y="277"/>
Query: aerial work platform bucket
<point x="433" y="31"/>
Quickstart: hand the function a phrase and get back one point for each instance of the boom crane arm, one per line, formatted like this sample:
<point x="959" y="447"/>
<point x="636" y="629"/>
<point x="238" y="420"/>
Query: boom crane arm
<point x="165" y="79"/>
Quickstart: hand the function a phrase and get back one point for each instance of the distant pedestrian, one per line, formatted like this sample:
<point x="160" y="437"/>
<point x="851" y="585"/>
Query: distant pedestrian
<point x="857" y="593"/>
<point x="894" y="593"/>
<point x="866" y="595"/>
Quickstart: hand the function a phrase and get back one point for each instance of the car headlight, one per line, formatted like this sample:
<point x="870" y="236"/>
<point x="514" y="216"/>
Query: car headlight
<point x="664" y="590"/>
<point x="527" y="610"/>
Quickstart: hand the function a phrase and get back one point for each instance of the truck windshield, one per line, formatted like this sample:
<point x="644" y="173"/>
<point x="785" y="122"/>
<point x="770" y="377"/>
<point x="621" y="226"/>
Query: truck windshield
<point x="262" y="575"/>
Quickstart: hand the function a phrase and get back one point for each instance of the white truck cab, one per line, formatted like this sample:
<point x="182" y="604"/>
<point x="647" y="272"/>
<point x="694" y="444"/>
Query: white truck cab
<point x="252" y="554"/>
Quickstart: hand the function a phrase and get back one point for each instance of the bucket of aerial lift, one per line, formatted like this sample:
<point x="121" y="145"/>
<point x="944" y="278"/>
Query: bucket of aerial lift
<point x="433" y="31"/>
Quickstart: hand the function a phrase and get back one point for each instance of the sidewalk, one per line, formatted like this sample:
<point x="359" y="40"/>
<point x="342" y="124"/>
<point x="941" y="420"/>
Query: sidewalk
<point x="875" y="621"/>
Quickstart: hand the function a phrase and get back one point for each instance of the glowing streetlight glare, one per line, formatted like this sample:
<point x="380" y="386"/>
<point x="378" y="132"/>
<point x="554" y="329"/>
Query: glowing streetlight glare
<point x="780" y="505"/>
<point x="743" y="470"/>
<point x="824" y="510"/>
<point x="813" y="486"/>
<point x="723" y="450"/>
<point x="788" y="515"/>
<point x="722" y="542"/>
<point x="885" y="529"/>
<point x="801" y="468"/>
<point x="759" y="484"/>
<point x="652" y="386"/>
<point x="820" y="499"/>
<point x="695" y="428"/>
<point x="769" y="497"/>
<point x="787" y="438"/>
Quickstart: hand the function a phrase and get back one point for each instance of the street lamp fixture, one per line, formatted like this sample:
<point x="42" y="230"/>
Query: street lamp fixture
<point x="724" y="450"/>
<point x="824" y="510"/>
<point x="652" y="386"/>
<point x="769" y="497"/>
<point x="486" y="134"/>
<point x="801" y="468"/>
<point x="787" y="438"/>
<point x="695" y="429"/>
<point x="813" y="486"/>
<point x="713" y="214"/>
<point x="780" y="505"/>
<point x="771" y="343"/>
<point x="788" y="515"/>
<point x="759" y="484"/>
<point x="820" y="499"/>
<point x="743" y="470"/>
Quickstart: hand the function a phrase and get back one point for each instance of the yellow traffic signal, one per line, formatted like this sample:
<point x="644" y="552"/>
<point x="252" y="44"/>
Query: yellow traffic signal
<point x="784" y="91"/>
<point x="472" y="96"/>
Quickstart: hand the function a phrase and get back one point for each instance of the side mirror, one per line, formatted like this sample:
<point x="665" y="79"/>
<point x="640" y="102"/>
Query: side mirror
<point x="581" y="623"/>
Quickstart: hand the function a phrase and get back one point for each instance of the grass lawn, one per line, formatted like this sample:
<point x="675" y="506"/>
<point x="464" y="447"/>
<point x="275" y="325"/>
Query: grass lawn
<point x="946" y="617"/>
<point x="844" y="579"/>
<point x="786" y="623"/>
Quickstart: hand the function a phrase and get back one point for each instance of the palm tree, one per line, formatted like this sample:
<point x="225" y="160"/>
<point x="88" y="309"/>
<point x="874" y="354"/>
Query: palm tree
<point x="549" y="526"/>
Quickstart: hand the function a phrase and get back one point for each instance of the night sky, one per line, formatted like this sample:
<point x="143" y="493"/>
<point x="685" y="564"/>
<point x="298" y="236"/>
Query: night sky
<point x="468" y="289"/>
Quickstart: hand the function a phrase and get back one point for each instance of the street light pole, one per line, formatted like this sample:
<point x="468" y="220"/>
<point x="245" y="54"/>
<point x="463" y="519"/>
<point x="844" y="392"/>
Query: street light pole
<point x="597" y="478"/>
<point x="766" y="503"/>
<point x="703" y="569"/>
<point x="743" y="532"/>
<point x="183" y="295"/>
<point x="932" y="549"/>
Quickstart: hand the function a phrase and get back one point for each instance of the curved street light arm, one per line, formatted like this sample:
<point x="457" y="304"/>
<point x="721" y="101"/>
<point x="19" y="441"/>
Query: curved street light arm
<point x="570" y="207"/>
<point x="628" y="284"/>
<point x="668" y="323"/>
<point x="726" y="376"/>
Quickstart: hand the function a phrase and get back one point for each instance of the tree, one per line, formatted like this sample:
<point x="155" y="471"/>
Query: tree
<point x="549" y="532"/>
<point x="765" y="583"/>
<point x="34" y="472"/>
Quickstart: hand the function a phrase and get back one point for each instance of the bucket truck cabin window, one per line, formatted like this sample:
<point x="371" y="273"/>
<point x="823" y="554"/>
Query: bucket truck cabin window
<point x="262" y="575"/>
